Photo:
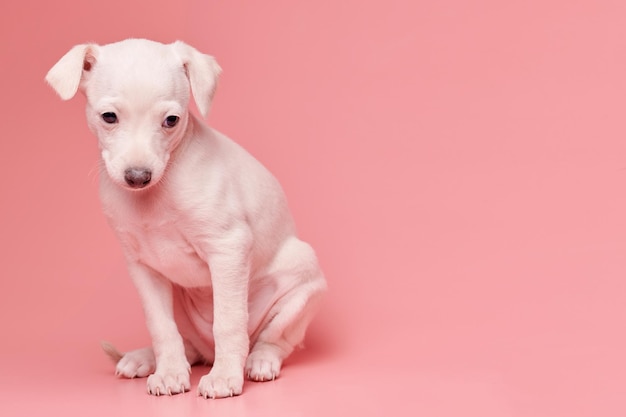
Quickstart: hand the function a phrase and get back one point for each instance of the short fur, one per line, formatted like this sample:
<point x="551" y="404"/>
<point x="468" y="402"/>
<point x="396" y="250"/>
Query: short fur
<point x="205" y="229"/>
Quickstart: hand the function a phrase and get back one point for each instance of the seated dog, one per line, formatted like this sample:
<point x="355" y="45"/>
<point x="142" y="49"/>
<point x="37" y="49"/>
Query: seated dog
<point x="205" y="229"/>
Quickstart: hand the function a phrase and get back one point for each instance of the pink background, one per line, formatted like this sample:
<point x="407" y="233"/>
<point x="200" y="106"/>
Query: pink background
<point x="460" y="167"/>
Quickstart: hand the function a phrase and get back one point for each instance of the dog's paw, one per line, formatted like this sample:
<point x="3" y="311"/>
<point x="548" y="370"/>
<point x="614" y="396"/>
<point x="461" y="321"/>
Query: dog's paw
<point x="168" y="383"/>
<point x="218" y="384"/>
<point x="136" y="364"/>
<point x="263" y="365"/>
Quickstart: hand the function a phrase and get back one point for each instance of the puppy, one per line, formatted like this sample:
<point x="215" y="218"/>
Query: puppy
<point x="205" y="229"/>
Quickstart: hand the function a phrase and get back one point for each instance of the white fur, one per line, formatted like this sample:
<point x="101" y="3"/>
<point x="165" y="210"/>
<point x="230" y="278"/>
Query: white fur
<point x="210" y="244"/>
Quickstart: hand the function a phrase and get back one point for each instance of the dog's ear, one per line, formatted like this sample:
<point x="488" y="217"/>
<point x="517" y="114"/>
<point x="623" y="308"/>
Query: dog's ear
<point x="66" y="75"/>
<point x="202" y="71"/>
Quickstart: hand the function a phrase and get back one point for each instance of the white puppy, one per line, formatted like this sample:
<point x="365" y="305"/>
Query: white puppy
<point x="210" y="243"/>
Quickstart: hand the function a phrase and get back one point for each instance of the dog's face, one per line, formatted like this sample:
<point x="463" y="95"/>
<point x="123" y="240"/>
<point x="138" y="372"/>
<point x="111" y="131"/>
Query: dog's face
<point x="137" y="101"/>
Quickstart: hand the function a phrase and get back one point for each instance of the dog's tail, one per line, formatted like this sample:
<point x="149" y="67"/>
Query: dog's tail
<point x="111" y="351"/>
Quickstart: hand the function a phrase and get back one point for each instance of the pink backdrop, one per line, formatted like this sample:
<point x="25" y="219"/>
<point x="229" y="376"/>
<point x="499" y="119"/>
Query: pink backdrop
<point x="459" y="166"/>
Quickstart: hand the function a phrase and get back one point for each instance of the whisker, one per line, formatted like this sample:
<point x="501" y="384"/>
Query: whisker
<point x="95" y="170"/>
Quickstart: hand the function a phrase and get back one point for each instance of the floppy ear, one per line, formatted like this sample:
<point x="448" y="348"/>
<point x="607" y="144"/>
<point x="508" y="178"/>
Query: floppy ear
<point x="202" y="71"/>
<point x="65" y="76"/>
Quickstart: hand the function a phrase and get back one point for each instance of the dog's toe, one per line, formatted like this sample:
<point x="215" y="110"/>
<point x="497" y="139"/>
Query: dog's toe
<point x="136" y="364"/>
<point x="220" y="385"/>
<point x="168" y="383"/>
<point x="263" y="365"/>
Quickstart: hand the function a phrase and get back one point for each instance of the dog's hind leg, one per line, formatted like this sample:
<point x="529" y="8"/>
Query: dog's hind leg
<point x="289" y="318"/>
<point x="140" y="363"/>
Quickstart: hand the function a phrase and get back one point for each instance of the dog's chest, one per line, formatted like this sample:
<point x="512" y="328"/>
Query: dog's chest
<point x="166" y="249"/>
<point x="158" y="233"/>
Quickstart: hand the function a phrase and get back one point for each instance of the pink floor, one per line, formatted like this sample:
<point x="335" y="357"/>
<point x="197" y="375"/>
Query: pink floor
<point x="459" y="166"/>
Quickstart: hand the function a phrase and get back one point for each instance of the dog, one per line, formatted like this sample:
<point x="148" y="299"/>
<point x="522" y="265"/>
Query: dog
<point x="205" y="229"/>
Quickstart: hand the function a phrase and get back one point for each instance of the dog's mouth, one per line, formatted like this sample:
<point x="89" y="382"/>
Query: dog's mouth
<point x="133" y="176"/>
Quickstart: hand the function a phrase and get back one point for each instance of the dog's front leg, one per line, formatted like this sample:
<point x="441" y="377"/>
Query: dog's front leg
<point x="230" y="270"/>
<point x="172" y="369"/>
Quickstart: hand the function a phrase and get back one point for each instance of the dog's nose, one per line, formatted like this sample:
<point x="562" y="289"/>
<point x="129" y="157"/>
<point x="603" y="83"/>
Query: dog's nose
<point x="137" y="177"/>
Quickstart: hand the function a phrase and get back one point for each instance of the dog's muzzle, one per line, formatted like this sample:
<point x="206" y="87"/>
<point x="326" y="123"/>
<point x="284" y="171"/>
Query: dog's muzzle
<point x="137" y="177"/>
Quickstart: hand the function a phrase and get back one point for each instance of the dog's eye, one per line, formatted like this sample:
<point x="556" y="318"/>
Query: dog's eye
<point x="109" y="117"/>
<point x="171" y="121"/>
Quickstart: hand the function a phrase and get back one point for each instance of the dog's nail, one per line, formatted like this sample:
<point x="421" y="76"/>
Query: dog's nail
<point x="169" y="392"/>
<point x="158" y="392"/>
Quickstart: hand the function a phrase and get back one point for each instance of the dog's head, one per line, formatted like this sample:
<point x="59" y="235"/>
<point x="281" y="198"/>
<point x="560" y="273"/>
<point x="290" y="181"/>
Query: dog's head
<point x="137" y="100"/>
